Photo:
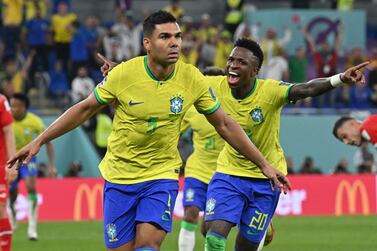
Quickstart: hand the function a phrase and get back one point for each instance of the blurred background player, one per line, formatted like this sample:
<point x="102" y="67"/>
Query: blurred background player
<point x="26" y="127"/>
<point x="354" y="132"/>
<point x="7" y="149"/>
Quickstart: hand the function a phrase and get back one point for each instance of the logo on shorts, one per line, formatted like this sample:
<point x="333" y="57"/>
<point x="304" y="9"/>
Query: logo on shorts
<point x="111" y="231"/>
<point x="256" y="115"/>
<point x="190" y="195"/>
<point x="210" y="206"/>
<point x="249" y="232"/>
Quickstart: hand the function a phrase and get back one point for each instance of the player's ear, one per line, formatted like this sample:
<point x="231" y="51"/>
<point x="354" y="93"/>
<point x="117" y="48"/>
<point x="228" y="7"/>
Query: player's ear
<point x="147" y="43"/>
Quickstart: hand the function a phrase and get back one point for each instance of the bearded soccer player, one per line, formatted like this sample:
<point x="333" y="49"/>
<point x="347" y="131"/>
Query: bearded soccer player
<point x="152" y="94"/>
<point x="7" y="149"/>
<point x="239" y="194"/>
<point x="354" y="132"/>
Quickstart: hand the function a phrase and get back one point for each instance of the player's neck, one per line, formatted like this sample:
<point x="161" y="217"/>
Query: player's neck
<point x="244" y="90"/>
<point x="160" y="72"/>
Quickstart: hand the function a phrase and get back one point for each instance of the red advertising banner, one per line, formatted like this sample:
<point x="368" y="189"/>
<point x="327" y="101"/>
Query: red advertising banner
<point x="81" y="198"/>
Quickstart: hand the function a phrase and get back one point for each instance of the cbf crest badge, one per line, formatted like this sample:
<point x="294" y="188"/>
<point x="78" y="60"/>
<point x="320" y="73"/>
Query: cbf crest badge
<point x="176" y="104"/>
<point x="111" y="231"/>
<point x="190" y="193"/>
<point x="210" y="206"/>
<point x="257" y="115"/>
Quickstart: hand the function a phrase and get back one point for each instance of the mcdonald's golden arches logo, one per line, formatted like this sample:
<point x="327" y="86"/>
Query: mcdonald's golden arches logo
<point x="92" y="195"/>
<point x="351" y="190"/>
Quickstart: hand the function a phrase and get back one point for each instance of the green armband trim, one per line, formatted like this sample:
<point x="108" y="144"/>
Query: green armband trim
<point x="189" y="226"/>
<point x="99" y="100"/>
<point x="208" y="112"/>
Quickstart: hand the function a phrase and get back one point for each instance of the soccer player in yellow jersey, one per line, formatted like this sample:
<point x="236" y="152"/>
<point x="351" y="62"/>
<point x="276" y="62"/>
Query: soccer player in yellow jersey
<point x="140" y="168"/>
<point x="239" y="193"/>
<point x="27" y="126"/>
<point x="199" y="169"/>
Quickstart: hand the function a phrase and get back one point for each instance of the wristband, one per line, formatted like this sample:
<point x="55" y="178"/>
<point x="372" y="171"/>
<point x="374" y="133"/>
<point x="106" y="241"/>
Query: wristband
<point x="335" y="80"/>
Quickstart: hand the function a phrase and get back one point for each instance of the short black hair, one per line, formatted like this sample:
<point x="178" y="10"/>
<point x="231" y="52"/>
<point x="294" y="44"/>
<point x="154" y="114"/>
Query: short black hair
<point x="252" y="46"/>
<point x="339" y="123"/>
<point x="159" y="17"/>
<point x="23" y="98"/>
<point x="213" y="71"/>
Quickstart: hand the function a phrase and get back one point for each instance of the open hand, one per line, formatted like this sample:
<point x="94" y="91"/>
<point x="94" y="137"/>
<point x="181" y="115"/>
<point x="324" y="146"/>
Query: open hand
<point x="23" y="156"/>
<point x="277" y="178"/>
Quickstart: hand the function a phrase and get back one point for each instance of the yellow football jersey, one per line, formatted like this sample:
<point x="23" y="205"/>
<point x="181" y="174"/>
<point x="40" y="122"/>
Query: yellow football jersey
<point x="143" y="143"/>
<point x="207" y="145"/>
<point x="259" y="116"/>
<point x="27" y="129"/>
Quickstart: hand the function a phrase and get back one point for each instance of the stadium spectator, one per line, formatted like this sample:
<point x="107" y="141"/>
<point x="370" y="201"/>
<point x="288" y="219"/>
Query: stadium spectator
<point x="341" y="167"/>
<point x="223" y="47"/>
<point x="131" y="163"/>
<point x="82" y="85"/>
<point x="372" y="77"/>
<point x="307" y="167"/>
<point x="290" y="165"/>
<point x="271" y="43"/>
<point x="175" y="9"/>
<point x="61" y="25"/>
<point x="121" y="6"/>
<point x="12" y="20"/>
<point x="33" y="6"/>
<point x="364" y="159"/>
<point x="59" y="85"/>
<point x="79" y="51"/>
<point x="7" y="149"/>
<point x="37" y="32"/>
<point x="277" y="67"/>
<point x="326" y="62"/>
<point x="27" y="126"/>
<point x="74" y="169"/>
<point x="298" y="71"/>
<point x="234" y="14"/>
<point x="55" y="5"/>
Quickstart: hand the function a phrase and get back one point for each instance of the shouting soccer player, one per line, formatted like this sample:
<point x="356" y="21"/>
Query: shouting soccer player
<point x="239" y="194"/>
<point x="140" y="168"/>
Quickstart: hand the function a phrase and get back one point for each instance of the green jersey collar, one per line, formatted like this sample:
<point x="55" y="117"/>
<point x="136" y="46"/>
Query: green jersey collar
<point x="150" y="74"/>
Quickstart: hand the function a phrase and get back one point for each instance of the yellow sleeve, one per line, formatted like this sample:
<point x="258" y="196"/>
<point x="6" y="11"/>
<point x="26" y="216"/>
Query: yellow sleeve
<point x="106" y="91"/>
<point x="281" y="91"/>
<point x="208" y="102"/>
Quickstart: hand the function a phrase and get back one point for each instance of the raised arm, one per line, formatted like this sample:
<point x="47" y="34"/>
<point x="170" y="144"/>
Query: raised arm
<point x="232" y="132"/>
<point x="72" y="118"/>
<point x="318" y="86"/>
<point x="310" y="40"/>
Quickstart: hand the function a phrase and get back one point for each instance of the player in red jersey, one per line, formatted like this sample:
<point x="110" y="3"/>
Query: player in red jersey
<point x="7" y="149"/>
<point x="354" y="132"/>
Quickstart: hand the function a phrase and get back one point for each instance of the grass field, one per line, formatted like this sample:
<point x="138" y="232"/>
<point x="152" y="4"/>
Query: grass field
<point x="291" y="234"/>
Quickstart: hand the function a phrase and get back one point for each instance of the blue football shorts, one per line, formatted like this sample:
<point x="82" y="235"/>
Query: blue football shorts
<point x="125" y="206"/>
<point x="248" y="202"/>
<point x="29" y="169"/>
<point x="194" y="193"/>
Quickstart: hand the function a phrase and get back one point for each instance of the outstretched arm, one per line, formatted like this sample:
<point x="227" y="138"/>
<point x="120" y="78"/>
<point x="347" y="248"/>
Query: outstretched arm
<point x="72" y="118"/>
<point x="319" y="86"/>
<point x="232" y="132"/>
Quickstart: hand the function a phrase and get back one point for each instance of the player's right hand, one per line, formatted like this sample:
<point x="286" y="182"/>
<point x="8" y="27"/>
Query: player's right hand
<point x="23" y="156"/>
<point x="107" y="65"/>
<point x="277" y="178"/>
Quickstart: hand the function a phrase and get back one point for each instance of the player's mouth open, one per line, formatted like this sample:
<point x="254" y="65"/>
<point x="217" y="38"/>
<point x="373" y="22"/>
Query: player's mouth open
<point x="233" y="78"/>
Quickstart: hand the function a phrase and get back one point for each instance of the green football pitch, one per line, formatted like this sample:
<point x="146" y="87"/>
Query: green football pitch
<point x="291" y="234"/>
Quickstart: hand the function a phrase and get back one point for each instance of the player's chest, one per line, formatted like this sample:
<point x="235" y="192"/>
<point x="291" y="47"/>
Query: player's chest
<point x="165" y="101"/>
<point x="250" y="113"/>
<point x="24" y="129"/>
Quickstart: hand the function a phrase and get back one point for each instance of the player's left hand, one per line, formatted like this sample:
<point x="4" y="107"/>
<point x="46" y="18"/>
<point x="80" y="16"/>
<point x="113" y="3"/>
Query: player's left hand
<point x="277" y="179"/>
<point x="354" y="75"/>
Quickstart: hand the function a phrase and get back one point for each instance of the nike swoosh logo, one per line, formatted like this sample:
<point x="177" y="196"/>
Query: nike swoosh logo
<point x="165" y="218"/>
<point x="131" y="103"/>
<point x="251" y="233"/>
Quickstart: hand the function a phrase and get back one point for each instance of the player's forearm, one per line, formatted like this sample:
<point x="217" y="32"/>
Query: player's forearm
<point x="69" y="120"/>
<point x="232" y="132"/>
<point x="314" y="87"/>
<point x="10" y="141"/>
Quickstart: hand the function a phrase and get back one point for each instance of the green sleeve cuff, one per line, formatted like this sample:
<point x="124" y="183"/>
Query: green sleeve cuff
<point x="287" y="95"/>
<point x="99" y="100"/>
<point x="208" y="112"/>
